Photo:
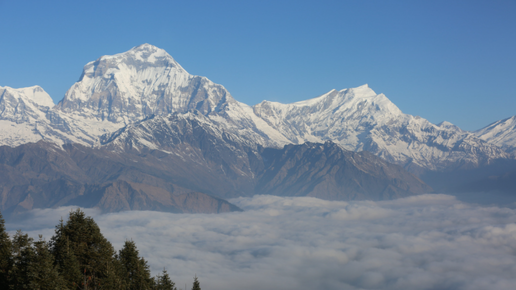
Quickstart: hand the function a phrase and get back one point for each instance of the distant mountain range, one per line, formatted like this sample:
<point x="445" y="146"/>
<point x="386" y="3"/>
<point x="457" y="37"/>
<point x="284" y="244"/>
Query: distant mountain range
<point x="158" y="132"/>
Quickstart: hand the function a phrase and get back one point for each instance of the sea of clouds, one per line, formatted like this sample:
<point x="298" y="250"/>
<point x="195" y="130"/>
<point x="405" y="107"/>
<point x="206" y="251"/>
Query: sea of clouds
<point x="429" y="241"/>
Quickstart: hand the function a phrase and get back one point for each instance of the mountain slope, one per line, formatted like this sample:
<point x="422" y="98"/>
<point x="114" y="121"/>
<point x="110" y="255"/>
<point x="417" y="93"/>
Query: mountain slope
<point x="329" y="172"/>
<point x="191" y="150"/>
<point x="358" y="119"/>
<point x="501" y="133"/>
<point x="26" y="116"/>
<point x="187" y="163"/>
<point x="119" y="90"/>
<point x="41" y="175"/>
<point x="204" y="157"/>
<point x="145" y="81"/>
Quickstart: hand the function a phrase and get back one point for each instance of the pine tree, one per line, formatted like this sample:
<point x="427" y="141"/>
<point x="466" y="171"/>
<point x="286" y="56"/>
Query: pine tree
<point x="33" y="265"/>
<point x="65" y="259"/>
<point x="196" y="284"/>
<point x="6" y="259"/>
<point x="23" y="255"/>
<point x="43" y="273"/>
<point x="135" y="270"/>
<point x="80" y="237"/>
<point x="163" y="282"/>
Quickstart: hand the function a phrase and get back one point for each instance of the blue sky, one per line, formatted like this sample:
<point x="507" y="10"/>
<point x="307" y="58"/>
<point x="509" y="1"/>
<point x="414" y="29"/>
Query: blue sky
<point x="441" y="60"/>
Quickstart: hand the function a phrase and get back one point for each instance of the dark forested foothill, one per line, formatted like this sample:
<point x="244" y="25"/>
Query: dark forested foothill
<point x="76" y="257"/>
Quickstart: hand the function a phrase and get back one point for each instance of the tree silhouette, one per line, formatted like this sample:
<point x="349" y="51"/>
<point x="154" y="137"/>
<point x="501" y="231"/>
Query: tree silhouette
<point x="163" y="282"/>
<point x="77" y="257"/>
<point x="6" y="259"/>
<point x="196" y="284"/>
<point x="93" y="254"/>
<point x="135" y="270"/>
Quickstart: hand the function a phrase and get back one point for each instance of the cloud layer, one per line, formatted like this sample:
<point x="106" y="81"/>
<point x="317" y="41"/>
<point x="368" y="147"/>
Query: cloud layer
<point x="421" y="242"/>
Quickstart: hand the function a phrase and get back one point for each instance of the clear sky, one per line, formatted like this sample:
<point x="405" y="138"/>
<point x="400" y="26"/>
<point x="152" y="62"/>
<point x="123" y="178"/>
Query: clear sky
<point x="441" y="60"/>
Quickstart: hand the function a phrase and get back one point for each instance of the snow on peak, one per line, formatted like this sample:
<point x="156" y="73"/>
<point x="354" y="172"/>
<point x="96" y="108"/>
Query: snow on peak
<point x="138" y="58"/>
<point x="146" y="47"/>
<point x="501" y="133"/>
<point x="350" y="100"/>
<point x="149" y="53"/>
<point x="140" y="82"/>
<point x="131" y="75"/>
<point x="449" y="126"/>
<point x="314" y="101"/>
<point x="35" y="94"/>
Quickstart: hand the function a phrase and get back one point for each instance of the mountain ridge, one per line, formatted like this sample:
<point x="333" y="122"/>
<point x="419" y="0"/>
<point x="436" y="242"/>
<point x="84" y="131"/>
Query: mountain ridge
<point x="501" y="133"/>
<point x="122" y="89"/>
<point x="188" y="160"/>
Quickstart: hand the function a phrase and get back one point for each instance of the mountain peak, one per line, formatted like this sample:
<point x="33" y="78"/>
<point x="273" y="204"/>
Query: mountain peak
<point x="140" y="82"/>
<point x="141" y="56"/>
<point x="148" y="53"/>
<point x="448" y="125"/>
<point x="361" y="91"/>
<point x="145" y="46"/>
<point x="35" y="94"/>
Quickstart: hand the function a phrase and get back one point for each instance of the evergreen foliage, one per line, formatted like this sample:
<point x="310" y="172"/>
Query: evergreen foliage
<point x="196" y="284"/>
<point x="163" y="282"/>
<point x="77" y="257"/>
<point x="94" y="254"/>
<point x="65" y="259"/>
<point x="22" y="253"/>
<point x="6" y="260"/>
<point x="135" y="270"/>
<point x="44" y="274"/>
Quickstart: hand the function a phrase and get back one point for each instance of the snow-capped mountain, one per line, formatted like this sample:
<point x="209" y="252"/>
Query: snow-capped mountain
<point x="143" y="81"/>
<point x="501" y="133"/>
<point x="146" y="81"/>
<point x="359" y="119"/>
<point x="206" y="158"/>
<point x="25" y="117"/>
<point x="28" y="115"/>
<point x="119" y="90"/>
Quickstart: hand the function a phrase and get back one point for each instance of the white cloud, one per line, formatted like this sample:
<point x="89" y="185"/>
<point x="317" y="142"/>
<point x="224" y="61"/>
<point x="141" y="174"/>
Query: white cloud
<point x="420" y="242"/>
